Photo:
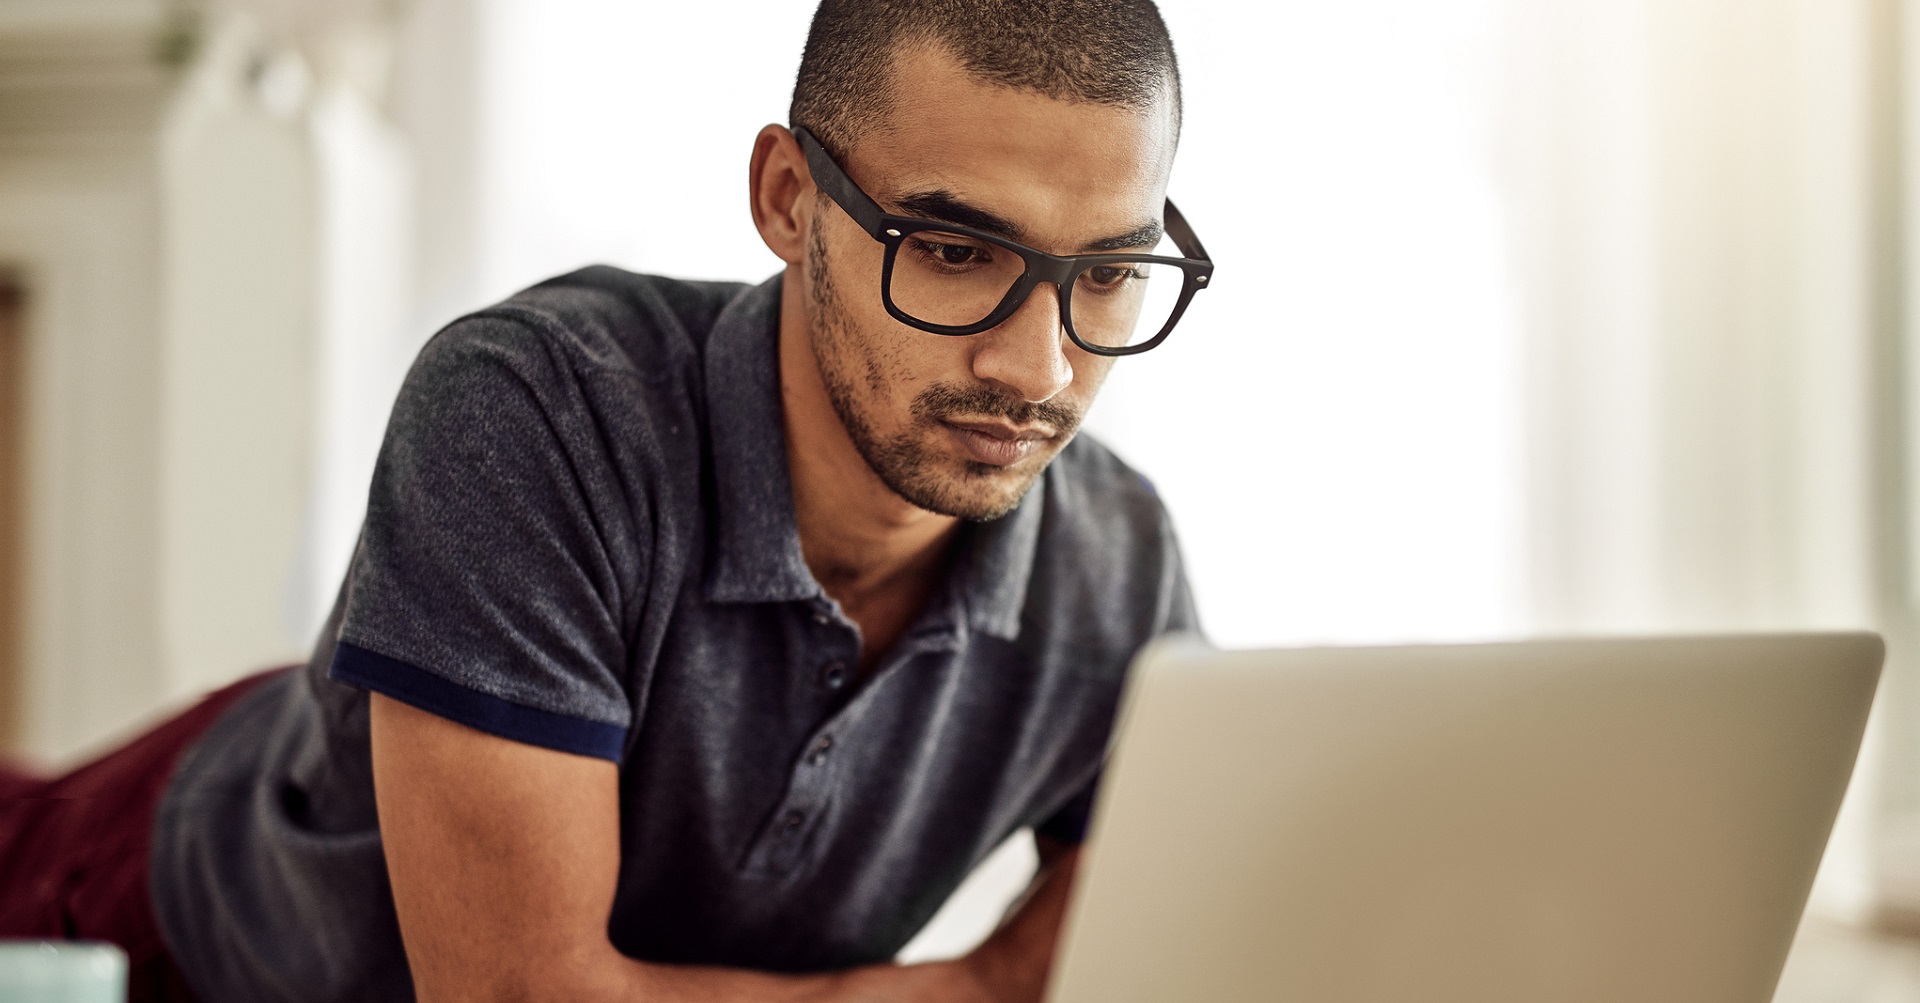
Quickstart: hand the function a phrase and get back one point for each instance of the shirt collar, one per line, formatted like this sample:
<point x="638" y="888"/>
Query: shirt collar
<point x="996" y="562"/>
<point x="757" y="556"/>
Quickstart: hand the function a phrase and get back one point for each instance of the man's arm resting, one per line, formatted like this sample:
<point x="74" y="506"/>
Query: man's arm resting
<point x="504" y="859"/>
<point x="1014" y="962"/>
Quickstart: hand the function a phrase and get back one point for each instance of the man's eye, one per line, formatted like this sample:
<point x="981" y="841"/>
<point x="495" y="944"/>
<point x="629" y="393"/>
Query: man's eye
<point x="1110" y="276"/>
<point x="952" y="255"/>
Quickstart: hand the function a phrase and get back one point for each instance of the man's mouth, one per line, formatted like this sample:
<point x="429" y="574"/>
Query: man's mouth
<point x="995" y="443"/>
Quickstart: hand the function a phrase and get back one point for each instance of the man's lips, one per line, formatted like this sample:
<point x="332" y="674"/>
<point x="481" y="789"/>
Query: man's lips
<point x="994" y="443"/>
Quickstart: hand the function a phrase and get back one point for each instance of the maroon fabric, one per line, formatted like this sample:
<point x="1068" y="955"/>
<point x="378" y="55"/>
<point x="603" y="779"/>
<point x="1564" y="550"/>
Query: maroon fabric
<point x="74" y="848"/>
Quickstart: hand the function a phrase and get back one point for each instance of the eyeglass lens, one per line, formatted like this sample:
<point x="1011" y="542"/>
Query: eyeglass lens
<point x="954" y="280"/>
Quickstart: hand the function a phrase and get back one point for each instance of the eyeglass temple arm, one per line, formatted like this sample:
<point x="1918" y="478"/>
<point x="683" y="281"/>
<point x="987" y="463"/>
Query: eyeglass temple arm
<point x="837" y="185"/>
<point x="1183" y="236"/>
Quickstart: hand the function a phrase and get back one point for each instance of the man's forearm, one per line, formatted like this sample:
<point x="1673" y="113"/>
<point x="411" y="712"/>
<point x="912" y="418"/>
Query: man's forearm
<point x="937" y="982"/>
<point x="1014" y="962"/>
<point x="983" y="977"/>
<point x="1010" y="967"/>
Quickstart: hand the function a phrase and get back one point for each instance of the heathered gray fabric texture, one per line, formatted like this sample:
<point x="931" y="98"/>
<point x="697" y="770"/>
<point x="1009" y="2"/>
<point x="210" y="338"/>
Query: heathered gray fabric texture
<point x="582" y="513"/>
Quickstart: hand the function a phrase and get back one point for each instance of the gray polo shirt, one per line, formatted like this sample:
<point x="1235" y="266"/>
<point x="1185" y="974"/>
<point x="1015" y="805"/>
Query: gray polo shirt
<point x="580" y="535"/>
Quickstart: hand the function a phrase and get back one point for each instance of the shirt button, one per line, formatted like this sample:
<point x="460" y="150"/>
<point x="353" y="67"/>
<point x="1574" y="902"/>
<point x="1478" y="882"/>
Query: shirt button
<point x="792" y="823"/>
<point x="833" y="675"/>
<point x="820" y="749"/>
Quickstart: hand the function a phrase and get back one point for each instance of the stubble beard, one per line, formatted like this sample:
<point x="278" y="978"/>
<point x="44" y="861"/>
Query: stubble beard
<point x="906" y="463"/>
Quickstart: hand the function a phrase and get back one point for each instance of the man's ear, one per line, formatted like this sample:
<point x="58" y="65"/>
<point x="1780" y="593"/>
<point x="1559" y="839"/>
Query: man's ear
<point x="777" y="182"/>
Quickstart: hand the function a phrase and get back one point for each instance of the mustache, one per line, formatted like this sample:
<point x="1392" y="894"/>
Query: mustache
<point x="942" y="401"/>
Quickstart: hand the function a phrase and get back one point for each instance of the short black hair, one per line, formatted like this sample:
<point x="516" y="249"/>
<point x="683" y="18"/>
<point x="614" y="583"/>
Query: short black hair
<point x="1111" y="52"/>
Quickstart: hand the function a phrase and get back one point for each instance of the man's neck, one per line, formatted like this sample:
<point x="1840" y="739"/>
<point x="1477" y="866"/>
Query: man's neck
<point x="868" y="547"/>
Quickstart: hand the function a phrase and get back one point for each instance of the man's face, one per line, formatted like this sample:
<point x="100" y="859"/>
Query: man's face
<point x="963" y="425"/>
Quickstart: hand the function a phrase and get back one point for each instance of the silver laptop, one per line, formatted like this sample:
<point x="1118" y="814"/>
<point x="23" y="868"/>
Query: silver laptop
<point x="1605" y="820"/>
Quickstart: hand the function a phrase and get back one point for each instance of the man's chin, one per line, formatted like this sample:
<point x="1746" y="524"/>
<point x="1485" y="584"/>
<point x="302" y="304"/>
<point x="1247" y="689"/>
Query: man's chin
<point x="976" y="492"/>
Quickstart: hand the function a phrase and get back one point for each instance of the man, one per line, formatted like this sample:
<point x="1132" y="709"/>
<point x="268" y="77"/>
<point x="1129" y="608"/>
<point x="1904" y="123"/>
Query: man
<point x="701" y="638"/>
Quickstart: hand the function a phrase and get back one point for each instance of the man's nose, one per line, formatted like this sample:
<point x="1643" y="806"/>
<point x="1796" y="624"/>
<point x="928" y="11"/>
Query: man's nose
<point x="1026" y="354"/>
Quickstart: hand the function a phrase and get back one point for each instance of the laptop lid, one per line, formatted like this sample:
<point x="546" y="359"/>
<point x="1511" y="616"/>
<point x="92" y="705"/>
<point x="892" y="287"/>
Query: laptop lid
<point x="1598" y="820"/>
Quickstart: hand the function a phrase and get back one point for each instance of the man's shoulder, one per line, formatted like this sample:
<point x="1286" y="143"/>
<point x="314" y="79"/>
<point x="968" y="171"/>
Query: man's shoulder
<point x="1091" y="488"/>
<point x="1105" y="520"/>
<point x="600" y="317"/>
<point x="601" y="366"/>
<point x="1108" y="575"/>
<point x="603" y="294"/>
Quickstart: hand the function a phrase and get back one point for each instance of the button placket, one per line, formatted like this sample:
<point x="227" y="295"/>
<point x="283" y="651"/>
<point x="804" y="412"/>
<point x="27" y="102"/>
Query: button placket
<point x="833" y="671"/>
<point x="778" y="850"/>
<point x="782" y="844"/>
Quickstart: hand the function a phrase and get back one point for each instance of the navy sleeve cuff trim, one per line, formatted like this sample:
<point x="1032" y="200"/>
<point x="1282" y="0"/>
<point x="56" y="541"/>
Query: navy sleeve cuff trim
<point x="391" y="677"/>
<point x="1071" y="832"/>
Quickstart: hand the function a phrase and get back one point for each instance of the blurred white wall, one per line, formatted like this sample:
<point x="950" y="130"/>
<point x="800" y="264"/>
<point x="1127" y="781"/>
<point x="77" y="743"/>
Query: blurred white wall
<point x="620" y="133"/>
<point x="1694" y="216"/>
<point x="80" y="98"/>
<point x="212" y="220"/>
<point x="368" y="316"/>
<point x="240" y="276"/>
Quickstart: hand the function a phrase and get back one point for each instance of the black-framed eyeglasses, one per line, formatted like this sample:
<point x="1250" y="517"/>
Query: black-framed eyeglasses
<point x="955" y="280"/>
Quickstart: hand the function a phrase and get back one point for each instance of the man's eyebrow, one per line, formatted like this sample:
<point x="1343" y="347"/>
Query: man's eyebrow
<point x="946" y="207"/>
<point x="1145" y="235"/>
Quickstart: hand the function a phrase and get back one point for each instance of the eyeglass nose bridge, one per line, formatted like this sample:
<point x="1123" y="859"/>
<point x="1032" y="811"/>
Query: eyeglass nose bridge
<point x="1059" y="272"/>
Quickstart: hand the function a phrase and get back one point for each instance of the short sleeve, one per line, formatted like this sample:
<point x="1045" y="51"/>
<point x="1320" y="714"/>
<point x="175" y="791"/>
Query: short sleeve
<point x="485" y="588"/>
